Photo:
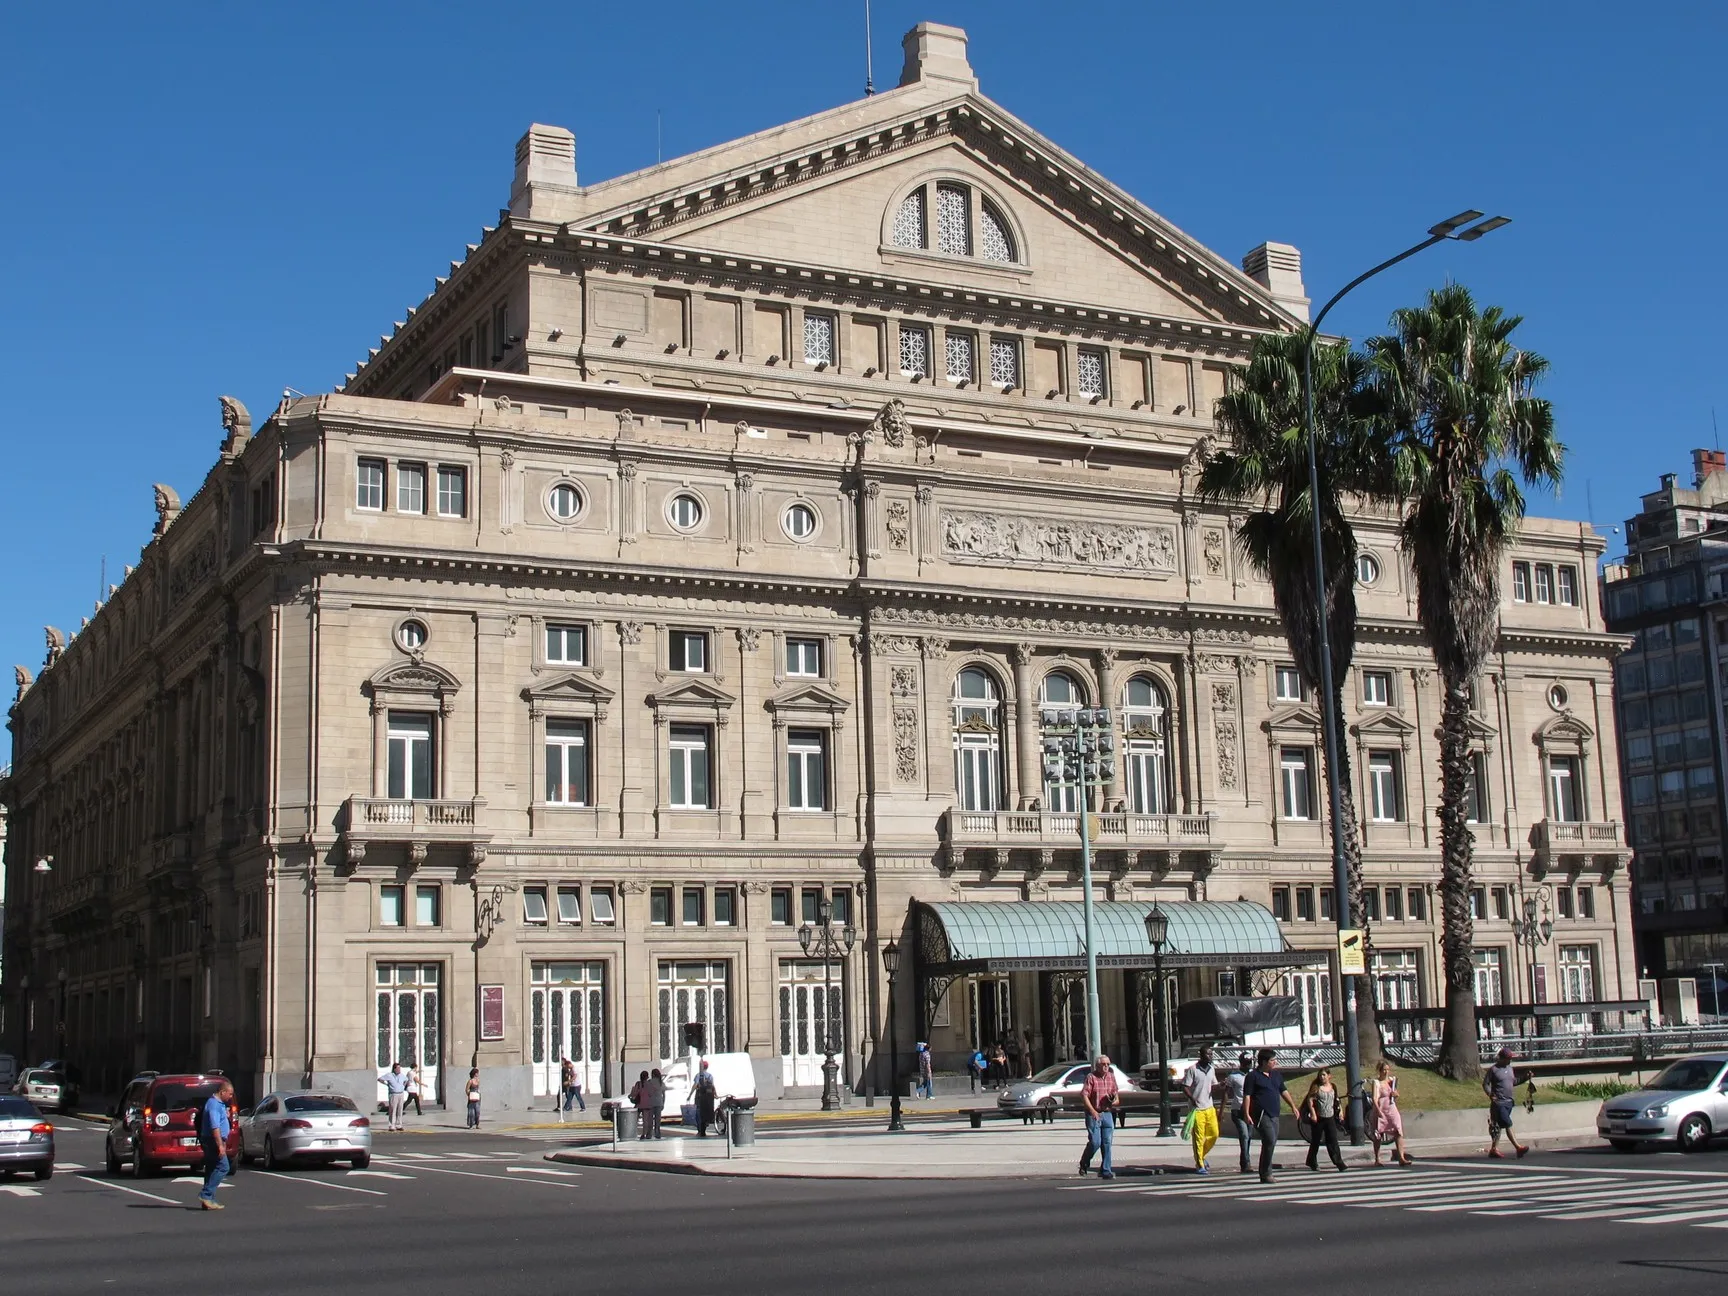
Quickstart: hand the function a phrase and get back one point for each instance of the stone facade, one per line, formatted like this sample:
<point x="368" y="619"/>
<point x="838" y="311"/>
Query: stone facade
<point x="701" y="547"/>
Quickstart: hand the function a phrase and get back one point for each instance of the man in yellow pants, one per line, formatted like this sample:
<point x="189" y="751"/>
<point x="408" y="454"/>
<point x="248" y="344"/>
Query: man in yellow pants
<point x="1201" y="1086"/>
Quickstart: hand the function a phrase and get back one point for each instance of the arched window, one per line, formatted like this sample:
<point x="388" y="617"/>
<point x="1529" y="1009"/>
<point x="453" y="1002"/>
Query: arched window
<point x="995" y="240"/>
<point x="977" y="740"/>
<point x="1146" y="746"/>
<point x="953" y="220"/>
<point x="1061" y="689"/>
<point x="966" y="223"/>
<point x="909" y="221"/>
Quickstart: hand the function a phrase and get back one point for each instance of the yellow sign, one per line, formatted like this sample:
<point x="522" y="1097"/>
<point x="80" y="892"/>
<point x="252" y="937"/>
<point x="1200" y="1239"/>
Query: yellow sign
<point x="1352" y="960"/>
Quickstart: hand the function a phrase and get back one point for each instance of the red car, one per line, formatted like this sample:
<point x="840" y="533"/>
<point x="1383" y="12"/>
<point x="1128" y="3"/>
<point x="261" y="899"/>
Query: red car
<point x="155" y="1125"/>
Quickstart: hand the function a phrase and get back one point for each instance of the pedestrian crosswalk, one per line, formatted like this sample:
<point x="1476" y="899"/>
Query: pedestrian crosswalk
<point x="1619" y="1198"/>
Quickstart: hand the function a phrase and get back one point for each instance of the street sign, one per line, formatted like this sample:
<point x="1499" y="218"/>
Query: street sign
<point x="1352" y="958"/>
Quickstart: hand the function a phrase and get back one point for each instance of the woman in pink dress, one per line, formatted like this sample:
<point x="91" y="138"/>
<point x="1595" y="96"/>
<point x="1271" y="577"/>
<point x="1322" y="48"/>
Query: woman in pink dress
<point x="1386" y="1123"/>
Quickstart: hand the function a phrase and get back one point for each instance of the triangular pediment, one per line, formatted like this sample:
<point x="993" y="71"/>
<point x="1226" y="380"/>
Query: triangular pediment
<point x="571" y="686"/>
<point x="694" y="692"/>
<point x="1300" y="716"/>
<point x="807" y="697"/>
<point x="1386" y="724"/>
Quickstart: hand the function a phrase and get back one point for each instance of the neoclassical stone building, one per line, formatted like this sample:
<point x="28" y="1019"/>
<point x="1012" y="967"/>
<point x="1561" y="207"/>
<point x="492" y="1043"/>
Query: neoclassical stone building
<point x="702" y="548"/>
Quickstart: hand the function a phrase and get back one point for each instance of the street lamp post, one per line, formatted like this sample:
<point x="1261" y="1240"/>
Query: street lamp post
<point x="1453" y="228"/>
<point x="822" y="940"/>
<point x="891" y="965"/>
<point x="1157" y="932"/>
<point x="1534" y="930"/>
<point x="1079" y="749"/>
<point x="1715" y="970"/>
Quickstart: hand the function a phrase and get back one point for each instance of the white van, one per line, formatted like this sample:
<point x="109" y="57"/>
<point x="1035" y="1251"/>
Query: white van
<point x="734" y="1078"/>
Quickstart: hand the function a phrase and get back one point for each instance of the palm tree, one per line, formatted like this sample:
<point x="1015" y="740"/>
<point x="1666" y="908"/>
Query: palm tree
<point x="1266" y="461"/>
<point x="1464" y="429"/>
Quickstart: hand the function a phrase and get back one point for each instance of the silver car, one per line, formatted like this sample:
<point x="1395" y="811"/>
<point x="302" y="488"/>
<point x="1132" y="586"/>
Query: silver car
<point x="26" y="1140"/>
<point x="1048" y="1088"/>
<point x="47" y="1089"/>
<point x="288" y="1127"/>
<point x="1687" y="1105"/>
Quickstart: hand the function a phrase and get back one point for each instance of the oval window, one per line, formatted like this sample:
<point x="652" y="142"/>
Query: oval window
<point x="1367" y="568"/>
<point x="411" y="635"/>
<point x="685" y="511"/>
<point x="800" y="522"/>
<point x="1557" y="697"/>
<point x="564" y="502"/>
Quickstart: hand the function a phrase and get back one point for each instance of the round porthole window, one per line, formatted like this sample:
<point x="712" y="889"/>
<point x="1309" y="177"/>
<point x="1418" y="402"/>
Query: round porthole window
<point x="564" y="502"/>
<point x="1557" y="696"/>
<point x="685" y="512"/>
<point x="800" y="522"/>
<point x="1367" y="568"/>
<point x="411" y="635"/>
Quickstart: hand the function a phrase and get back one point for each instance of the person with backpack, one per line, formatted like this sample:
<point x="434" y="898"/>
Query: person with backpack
<point x="705" y="1095"/>
<point x="212" y="1126"/>
<point x="1201" y="1086"/>
<point x="975" y="1069"/>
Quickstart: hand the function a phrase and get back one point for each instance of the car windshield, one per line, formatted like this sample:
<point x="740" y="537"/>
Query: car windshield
<point x="18" y="1109"/>
<point x="39" y="1076"/>
<point x="1051" y="1074"/>
<point x="174" y="1096"/>
<point x="1688" y="1075"/>
<point x="309" y="1103"/>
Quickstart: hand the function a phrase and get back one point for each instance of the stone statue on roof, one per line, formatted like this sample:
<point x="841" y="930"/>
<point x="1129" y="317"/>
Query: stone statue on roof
<point x="237" y="423"/>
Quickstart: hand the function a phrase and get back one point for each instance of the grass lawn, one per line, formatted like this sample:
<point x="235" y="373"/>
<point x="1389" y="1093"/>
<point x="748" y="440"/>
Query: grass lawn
<point x="1420" y="1090"/>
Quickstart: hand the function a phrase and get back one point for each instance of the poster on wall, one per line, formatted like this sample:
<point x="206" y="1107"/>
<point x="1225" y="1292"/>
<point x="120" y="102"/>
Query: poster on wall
<point x="491" y="1012"/>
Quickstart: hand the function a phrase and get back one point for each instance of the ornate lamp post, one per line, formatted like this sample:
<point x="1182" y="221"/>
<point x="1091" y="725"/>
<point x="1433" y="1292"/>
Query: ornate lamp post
<point x="1079" y="752"/>
<point x="821" y="940"/>
<point x="891" y="965"/>
<point x="1534" y="930"/>
<point x="1157" y="932"/>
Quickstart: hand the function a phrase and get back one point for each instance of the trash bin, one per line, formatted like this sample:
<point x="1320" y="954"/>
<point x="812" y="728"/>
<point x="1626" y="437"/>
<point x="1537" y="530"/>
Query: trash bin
<point x="742" y="1124"/>
<point x="625" y="1127"/>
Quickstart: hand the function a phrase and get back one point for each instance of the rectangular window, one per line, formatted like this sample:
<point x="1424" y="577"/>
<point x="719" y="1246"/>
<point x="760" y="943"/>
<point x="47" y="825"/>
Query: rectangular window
<point x="1566" y="586"/>
<point x="689" y="650"/>
<point x="1326" y="904"/>
<point x="811" y="905"/>
<point x="410" y="488"/>
<point x="693" y="906"/>
<point x="819" y="334"/>
<point x="1520" y="582"/>
<point x="914" y="351"/>
<point x="725" y="907"/>
<point x="1479" y="904"/>
<point x="1386" y="805"/>
<point x="960" y="351"/>
<point x="1563" y="901"/>
<point x="452" y="491"/>
<point x="1565" y="800"/>
<point x="1089" y="373"/>
<point x="780" y="907"/>
<point x="804" y="658"/>
<point x="1502" y="899"/>
<point x="1371" y="903"/>
<point x="1418" y="904"/>
<point x="1305" y="904"/>
<point x="390" y="906"/>
<point x="1296" y="783"/>
<point x="1394" y="904"/>
<point x="601" y="907"/>
<point x="690" y="767"/>
<point x="534" y="906"/>
<point x="806" y="769"/>
<point x="1287" y="684"/>
<point x="841" y="900"/>
<point x="428" y="906"/>
<point x="1004" y="363"/>
<point x="566" y="645"/>
<point x="1544" y="583"/>
<point x="1586" y="902"/>
<point x="660" y="907"/>
<point x="1476" y="792"/>
<point x="409" y="776"/>
<point x="1376" y="688"/>
<point x="369" y="485"/>
<point x="570" y="906"/>
<point x="1281" y="903"/>
<point x="567" y="762"/>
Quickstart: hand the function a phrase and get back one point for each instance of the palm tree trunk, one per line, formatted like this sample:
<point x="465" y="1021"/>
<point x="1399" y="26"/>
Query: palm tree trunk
<point x="1460" y="1057"/>
<point x="1350" y="840"/>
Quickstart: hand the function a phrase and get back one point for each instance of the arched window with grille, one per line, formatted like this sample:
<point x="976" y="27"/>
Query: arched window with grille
<point x="954" y="219"/>
<point x="977" y="740"/>
<point x="1060" y="689"/>
<point x="995" y="240"/>
<point x="1146" y="746"/>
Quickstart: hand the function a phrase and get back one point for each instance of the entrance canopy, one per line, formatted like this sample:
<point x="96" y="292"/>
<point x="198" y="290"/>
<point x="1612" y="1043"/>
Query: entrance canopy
<point x="1039" y="935"/>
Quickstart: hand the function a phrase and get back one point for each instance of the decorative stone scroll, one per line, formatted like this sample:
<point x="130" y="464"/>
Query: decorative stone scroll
<point x="1212" y="551"/>
<point x="898" y="520"/>
<point x="992" y="538"/>
<point x="906" y="744"/>
<point x="903" y="681"/>
<point x="1225" y="734"/>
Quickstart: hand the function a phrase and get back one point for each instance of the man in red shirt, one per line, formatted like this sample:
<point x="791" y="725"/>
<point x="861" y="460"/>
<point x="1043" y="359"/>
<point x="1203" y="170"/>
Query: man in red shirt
<point x="1098" y="1097"/>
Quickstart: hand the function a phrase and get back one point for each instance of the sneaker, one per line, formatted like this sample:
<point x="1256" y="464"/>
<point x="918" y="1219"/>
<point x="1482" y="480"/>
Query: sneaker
<point x="1313" y="1167"/>
<point x="1106" y="1174"/>
<point x="1265" y="1179"/>
<point x="211" y="1205"/>
<point x="1523" y="1151"/>
<point x="1084" y="1172"/>
<point x="1201" y="1170"/>
<point x="1494" y="1154"/>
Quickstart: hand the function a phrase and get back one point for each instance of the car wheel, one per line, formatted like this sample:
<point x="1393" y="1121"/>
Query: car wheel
<point x="1694" y="1132"/>
<point x="44" y="1172"/>
<point x="270" y="1161"/>
<point x="362" y="1161"/>
<point x="111" y="1161"/>
<point x="141" y="1169"/>
<point x="1623" y="1145"/>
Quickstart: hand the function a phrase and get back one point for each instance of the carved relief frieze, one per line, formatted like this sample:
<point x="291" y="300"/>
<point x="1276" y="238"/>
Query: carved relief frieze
<point x="1212" y="551"/>
<point x="997" y="539"/>
<point x="898" y="521"/>
<point x="903" y="681"/>
<point x="906" y="744"/>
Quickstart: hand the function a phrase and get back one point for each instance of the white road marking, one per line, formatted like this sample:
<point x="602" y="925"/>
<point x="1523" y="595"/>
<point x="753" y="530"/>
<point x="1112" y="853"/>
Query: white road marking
<point x="1681" y="1217"/>
<point x="380" y="1174"/>
<point x="545" y="1170"/>
<point x="17" y="1190"/>
<point x="325" y="1183"/>
<point x="476" y="1174"/>
<point x="68" y="1166"/>
<point x="136" y="1192"/>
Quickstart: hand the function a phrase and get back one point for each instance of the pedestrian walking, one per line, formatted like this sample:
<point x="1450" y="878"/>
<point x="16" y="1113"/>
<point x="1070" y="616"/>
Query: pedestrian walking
<point x="1101" y="1100"/>
<point x="414" y="1088"/>
<point x="1320" y="1108"/>
<point x="1261" y="1096"/>
<point x="566" y="1087"/>
<point x="999" y="1065"/>
<point x="705" y="1096"/>
<point x="1388" y="1124"/>
<point x="396" y="1094"/>
<point x="1234" y="1085"/>
<point x="473" y="1096"/>
<point x="656" y="1104"/>
<point x="1500" y="1083"/>
<point x="1026" y="1067"/>
<point x="926" y="1071"/>
<point x="213" y="1126"/>
<point x="1201" y="1086"/>
<point x="641" y="1097"/>
<point x="975" y="1069"/>
<point x="1013" y="1055"/>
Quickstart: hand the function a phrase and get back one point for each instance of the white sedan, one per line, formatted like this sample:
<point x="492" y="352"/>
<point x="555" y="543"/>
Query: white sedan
<point x="1048" y="1088"/>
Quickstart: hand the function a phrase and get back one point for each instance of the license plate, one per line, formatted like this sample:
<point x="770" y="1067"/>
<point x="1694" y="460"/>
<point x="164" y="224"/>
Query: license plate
<point x="1616" y="1127"/>
<point x="13" y="1136"/>
<point x="188" y="1142"/>
<point x="329" y="1142"/>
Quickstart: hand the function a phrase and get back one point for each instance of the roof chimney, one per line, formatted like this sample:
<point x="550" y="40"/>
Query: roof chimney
<point x="1707" y="463"/>
<point x="545" y="171"/>
<point x="936" y="53"/>
<point x="1277" y="267"/>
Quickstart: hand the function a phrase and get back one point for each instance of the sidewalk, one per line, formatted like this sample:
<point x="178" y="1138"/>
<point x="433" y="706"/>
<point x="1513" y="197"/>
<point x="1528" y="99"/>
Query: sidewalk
<point x="950" y="1149"/>
<point x="772" y="1112"/>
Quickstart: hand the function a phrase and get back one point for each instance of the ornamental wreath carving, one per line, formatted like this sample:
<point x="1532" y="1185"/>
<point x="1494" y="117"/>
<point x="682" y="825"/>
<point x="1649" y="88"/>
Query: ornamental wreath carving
<point x="1212" y="551"/>
<point x="906" y="744"/>
<point x="1016" y="541"/>
<point x="898" y="517"/>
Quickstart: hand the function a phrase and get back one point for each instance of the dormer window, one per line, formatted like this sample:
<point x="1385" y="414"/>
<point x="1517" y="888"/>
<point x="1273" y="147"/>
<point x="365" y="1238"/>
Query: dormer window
<point x="967" y="223"/>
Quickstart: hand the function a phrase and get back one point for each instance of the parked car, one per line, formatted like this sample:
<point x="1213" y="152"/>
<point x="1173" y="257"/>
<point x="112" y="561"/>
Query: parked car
<point x="26" y="1140"/>
<point x="154" y="1125"/>
<point x="320" y="1127"/>
<point x="734" y="1078"/>
<point x="8" y="1071"/>
<point x="49" y="1090"/>
<point x="1050" y="1086"/>
<point x="1687" y="1105"/>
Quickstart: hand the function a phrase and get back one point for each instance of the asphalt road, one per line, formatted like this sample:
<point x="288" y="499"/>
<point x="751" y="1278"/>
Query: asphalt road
<point x="481" y="1214"/>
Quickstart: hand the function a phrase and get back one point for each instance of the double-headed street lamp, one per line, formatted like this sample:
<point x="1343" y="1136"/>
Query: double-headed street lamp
<point x="1157" y="932"/>
<point x="1080" y="752"/>
<point x="1533" y="929"/>
<point x="821" y="941"/>
<point x="1465" y="227"/>
<point x="891" y="965"/>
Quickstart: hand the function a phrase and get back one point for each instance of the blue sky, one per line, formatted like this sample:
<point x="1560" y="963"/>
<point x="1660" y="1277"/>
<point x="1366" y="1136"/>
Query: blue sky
<point x="234" y="198"/>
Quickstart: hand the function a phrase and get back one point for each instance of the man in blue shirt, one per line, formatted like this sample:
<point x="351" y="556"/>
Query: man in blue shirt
<point x="1260" y="1103"/>
<point x="213" y="1127"/>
